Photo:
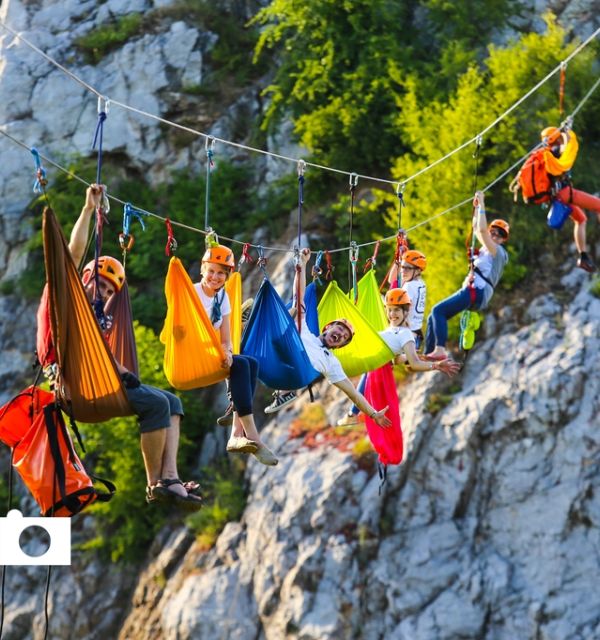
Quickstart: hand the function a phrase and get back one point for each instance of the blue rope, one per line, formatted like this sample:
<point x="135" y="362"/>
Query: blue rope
<point x="98" y="134"/>
<point x="40" y="172"/>
<point x="130" y="212"/>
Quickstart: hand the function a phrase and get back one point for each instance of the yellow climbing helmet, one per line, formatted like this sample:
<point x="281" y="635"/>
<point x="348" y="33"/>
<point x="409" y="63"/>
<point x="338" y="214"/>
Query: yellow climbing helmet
<point x="219" y="254"/>
<point x="109" y="268"/>
<point x="396" y="297"/>
<point x="415" y="259"/>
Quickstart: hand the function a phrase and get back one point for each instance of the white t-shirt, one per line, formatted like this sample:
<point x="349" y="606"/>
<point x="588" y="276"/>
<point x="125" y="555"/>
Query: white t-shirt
<point x="321" y="358"/>
<point x="416" y="292"/>
<point x="396" y="338"/>
<point x="208" y="303"/>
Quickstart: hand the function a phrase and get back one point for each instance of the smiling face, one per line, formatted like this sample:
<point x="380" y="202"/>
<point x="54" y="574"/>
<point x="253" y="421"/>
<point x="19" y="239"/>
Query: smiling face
<point x="214" y="277"/>
<point x="336" y="335"/>
<point x="397" y="314"/>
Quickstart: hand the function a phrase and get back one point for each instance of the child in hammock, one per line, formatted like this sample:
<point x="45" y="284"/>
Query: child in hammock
<point x="401" y="340"/>
<point x="334" y="335"/>
<point x="217" y="265"/>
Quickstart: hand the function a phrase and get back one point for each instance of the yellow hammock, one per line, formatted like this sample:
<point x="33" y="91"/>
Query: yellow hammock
<point x="369" y="302"/>
<point x="234" y="291"/>
<point x="193" y="353"/>
<point x="367" y="351"/>
<point x="88" y="379"/>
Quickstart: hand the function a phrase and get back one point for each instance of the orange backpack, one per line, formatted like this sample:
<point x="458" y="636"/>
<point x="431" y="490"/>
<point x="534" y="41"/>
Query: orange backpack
<point x="533" y="180"/>
<point x="43" y="454"/>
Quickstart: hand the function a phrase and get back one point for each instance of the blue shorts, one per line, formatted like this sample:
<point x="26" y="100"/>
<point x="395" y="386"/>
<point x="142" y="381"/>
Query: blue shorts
<point x="153" y="407"/>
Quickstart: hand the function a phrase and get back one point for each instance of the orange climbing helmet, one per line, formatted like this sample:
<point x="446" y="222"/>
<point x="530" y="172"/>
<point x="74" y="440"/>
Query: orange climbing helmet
<point x="550" y="135"/>
<point x="502" y="225"/>
<point x="396" y="297"/>
<point x="415" y="259"/>
<point x="344" y="323"/>
<point x="219" y="254"/>
<point x="109" y="268"/>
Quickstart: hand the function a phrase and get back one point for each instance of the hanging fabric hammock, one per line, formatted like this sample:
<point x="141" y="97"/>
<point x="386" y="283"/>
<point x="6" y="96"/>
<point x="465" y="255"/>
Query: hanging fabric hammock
<point x="88" y="383"/>
<point x="381" y="392"/>
<point x="233" y="287"/>
<point x="367" y="351"/>
<point x="369" y="302"/>
<point x="310" y="309"/>
<point x="272" y="338"/>
<point x="193" y="352"/>
<point x="121" y="339"/>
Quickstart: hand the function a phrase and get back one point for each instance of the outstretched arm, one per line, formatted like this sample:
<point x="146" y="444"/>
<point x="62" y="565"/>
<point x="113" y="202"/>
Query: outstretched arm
<point x="361" y="402"/>
<point x="300" y="280"/>
<point x="80" y="232"/>
<point x="448" y="366"/>
<point x="480" y="224"/>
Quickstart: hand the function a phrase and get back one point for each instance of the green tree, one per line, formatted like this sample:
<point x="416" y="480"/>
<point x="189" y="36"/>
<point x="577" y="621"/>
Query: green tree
<point x="342" y="67"/>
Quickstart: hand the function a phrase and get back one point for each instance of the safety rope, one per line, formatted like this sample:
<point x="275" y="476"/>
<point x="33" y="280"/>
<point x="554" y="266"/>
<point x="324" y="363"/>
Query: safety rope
<point x="171" y="245"/>
<point x="353" y="181"/>
<point x="561" y="88"/>
<point x="209" y="145"/>
<point x="471" y="237"/>
<point x="297" y="257"/>
<point x="182" y="225"/>
<point x="132" y="109"/>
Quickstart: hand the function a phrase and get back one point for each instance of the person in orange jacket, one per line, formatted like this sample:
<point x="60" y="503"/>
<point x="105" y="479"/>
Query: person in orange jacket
<point x="559" y="156"/>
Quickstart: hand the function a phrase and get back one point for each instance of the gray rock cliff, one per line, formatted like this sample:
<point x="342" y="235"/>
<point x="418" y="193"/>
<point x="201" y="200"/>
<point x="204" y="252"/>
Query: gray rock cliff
<point x="489" y="529"/>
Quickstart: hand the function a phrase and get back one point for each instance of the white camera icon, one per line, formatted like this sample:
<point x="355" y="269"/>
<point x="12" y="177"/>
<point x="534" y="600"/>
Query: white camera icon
<point x="14" y="525"/>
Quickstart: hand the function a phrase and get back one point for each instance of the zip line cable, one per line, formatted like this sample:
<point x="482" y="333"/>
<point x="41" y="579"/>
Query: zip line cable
<point x="509" y="110"/>
<point x="352" y="175"/>
<point x="127" y="107"/>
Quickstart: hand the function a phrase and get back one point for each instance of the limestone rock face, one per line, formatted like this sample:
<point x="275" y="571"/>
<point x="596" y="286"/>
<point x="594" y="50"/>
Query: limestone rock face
<point x="489" y="529"/>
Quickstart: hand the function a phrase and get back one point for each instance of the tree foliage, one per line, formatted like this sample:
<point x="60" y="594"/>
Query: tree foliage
<point x="342" y="67"/>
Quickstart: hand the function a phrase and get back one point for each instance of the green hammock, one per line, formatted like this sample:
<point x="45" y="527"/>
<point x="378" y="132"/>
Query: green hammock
<point x="369" y="302"/>
<point x="367" y="351"/>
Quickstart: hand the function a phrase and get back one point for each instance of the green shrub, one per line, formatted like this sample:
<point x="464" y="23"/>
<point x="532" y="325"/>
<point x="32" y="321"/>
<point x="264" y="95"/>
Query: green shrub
<point x="225" y="500"/>
<point x="108" y="37"/>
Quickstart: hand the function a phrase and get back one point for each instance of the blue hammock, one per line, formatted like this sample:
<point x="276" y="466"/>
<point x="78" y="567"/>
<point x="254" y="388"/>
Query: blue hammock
<point x="271" y="337"/>
<point x="310" y="309"/>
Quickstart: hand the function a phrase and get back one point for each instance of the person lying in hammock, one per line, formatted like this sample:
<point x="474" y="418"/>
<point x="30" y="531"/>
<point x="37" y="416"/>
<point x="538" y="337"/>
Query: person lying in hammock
<point x="334" y="335"/>
<point x="217" y="265"/>
<point x="159" y="412"/>
<point x="401" y="341"/>
<point x="478" y="287"/>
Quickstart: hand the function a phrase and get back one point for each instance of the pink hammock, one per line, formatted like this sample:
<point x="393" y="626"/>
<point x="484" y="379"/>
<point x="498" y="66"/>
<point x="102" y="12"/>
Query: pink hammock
<point x="381" y="391"/>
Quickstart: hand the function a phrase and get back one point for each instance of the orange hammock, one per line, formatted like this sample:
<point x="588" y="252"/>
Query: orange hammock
<point x="233" y="287"/>
<point x="88" y="382"/>
<point x="193" y="352"/>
